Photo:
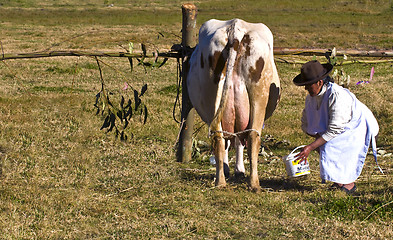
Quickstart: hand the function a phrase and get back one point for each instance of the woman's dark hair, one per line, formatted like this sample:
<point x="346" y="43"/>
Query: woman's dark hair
<point x="328" y="79"/>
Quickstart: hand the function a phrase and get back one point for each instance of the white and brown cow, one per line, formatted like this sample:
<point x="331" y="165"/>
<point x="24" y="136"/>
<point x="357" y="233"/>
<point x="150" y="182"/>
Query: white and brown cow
<point x="234" y="86"/>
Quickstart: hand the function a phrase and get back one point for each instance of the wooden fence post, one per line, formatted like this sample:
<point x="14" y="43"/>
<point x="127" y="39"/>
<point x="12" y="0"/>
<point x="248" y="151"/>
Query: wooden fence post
<point x="184" y="151"/>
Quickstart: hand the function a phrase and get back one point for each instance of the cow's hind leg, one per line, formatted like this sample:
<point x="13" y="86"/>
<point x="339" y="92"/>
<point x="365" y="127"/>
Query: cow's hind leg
<point x="253" y="145"/>
<point x="219" y="152"/>
<point x="239" y="167"/>
<point x="226" y="158"/>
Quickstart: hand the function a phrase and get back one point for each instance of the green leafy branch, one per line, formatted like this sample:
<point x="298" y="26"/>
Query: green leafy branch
<point x="118" y="116"/>
<point x="142" y="61"/>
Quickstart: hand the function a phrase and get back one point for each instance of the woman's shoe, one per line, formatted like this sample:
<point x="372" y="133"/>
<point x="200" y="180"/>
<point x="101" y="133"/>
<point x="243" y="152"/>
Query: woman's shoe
<point x="348" y="191"/>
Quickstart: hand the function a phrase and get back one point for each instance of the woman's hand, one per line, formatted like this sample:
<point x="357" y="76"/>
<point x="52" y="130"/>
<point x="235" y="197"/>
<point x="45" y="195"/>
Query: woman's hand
<point x="303" y="155"/>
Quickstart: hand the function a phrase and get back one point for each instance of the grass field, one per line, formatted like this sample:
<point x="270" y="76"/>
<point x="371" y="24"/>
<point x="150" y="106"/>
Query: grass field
<point x="63" y="178"/>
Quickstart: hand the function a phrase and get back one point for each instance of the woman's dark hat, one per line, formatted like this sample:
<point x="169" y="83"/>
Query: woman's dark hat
<point x="311" y="72"/>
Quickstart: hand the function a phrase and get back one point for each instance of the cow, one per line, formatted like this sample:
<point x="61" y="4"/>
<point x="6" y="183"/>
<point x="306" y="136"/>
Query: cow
<point x="234" y="86"/>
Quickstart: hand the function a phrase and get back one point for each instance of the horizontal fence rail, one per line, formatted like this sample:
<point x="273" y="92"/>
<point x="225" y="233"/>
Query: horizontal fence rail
<point x="87" y="54"/>
<point x="322" y="52"/>
<point x="176" y="54"/>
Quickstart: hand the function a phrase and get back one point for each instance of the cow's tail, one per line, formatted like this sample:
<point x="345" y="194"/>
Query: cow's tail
<point x="231" y="47"/>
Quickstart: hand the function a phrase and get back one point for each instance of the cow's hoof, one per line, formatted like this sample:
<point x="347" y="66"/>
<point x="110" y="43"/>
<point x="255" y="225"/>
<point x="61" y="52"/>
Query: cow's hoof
<point x="220" y="184"/>
<point x="256" y="189"/>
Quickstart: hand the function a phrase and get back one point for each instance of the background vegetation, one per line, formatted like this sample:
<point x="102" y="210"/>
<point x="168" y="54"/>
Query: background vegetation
<point x="63" y="178"/>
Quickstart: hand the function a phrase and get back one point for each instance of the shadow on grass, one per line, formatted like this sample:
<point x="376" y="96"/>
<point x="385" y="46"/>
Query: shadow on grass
<point x="277" y="184"/>
<point x="281" y="184"/>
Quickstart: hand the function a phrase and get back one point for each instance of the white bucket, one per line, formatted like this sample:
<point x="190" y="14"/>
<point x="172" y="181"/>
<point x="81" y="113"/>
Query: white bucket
<point x="292" y="165"/>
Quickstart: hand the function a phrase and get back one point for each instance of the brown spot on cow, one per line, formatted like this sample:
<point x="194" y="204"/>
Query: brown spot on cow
<point x="246" y="43"/>
<point x="236" y="45"/>
<point x="243" y="52"/>
<point x="217" y="63"/>
<point x="255" y="73"/>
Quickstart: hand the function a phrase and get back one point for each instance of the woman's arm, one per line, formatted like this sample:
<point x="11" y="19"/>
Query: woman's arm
<point x="303" y="155"/>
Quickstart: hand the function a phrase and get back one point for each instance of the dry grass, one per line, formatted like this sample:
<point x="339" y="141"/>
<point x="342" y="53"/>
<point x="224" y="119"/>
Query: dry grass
<point x="62" y="178"/>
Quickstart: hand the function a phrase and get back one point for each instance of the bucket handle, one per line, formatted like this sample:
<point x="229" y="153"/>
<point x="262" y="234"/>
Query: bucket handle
<point x="297" y="149"/>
